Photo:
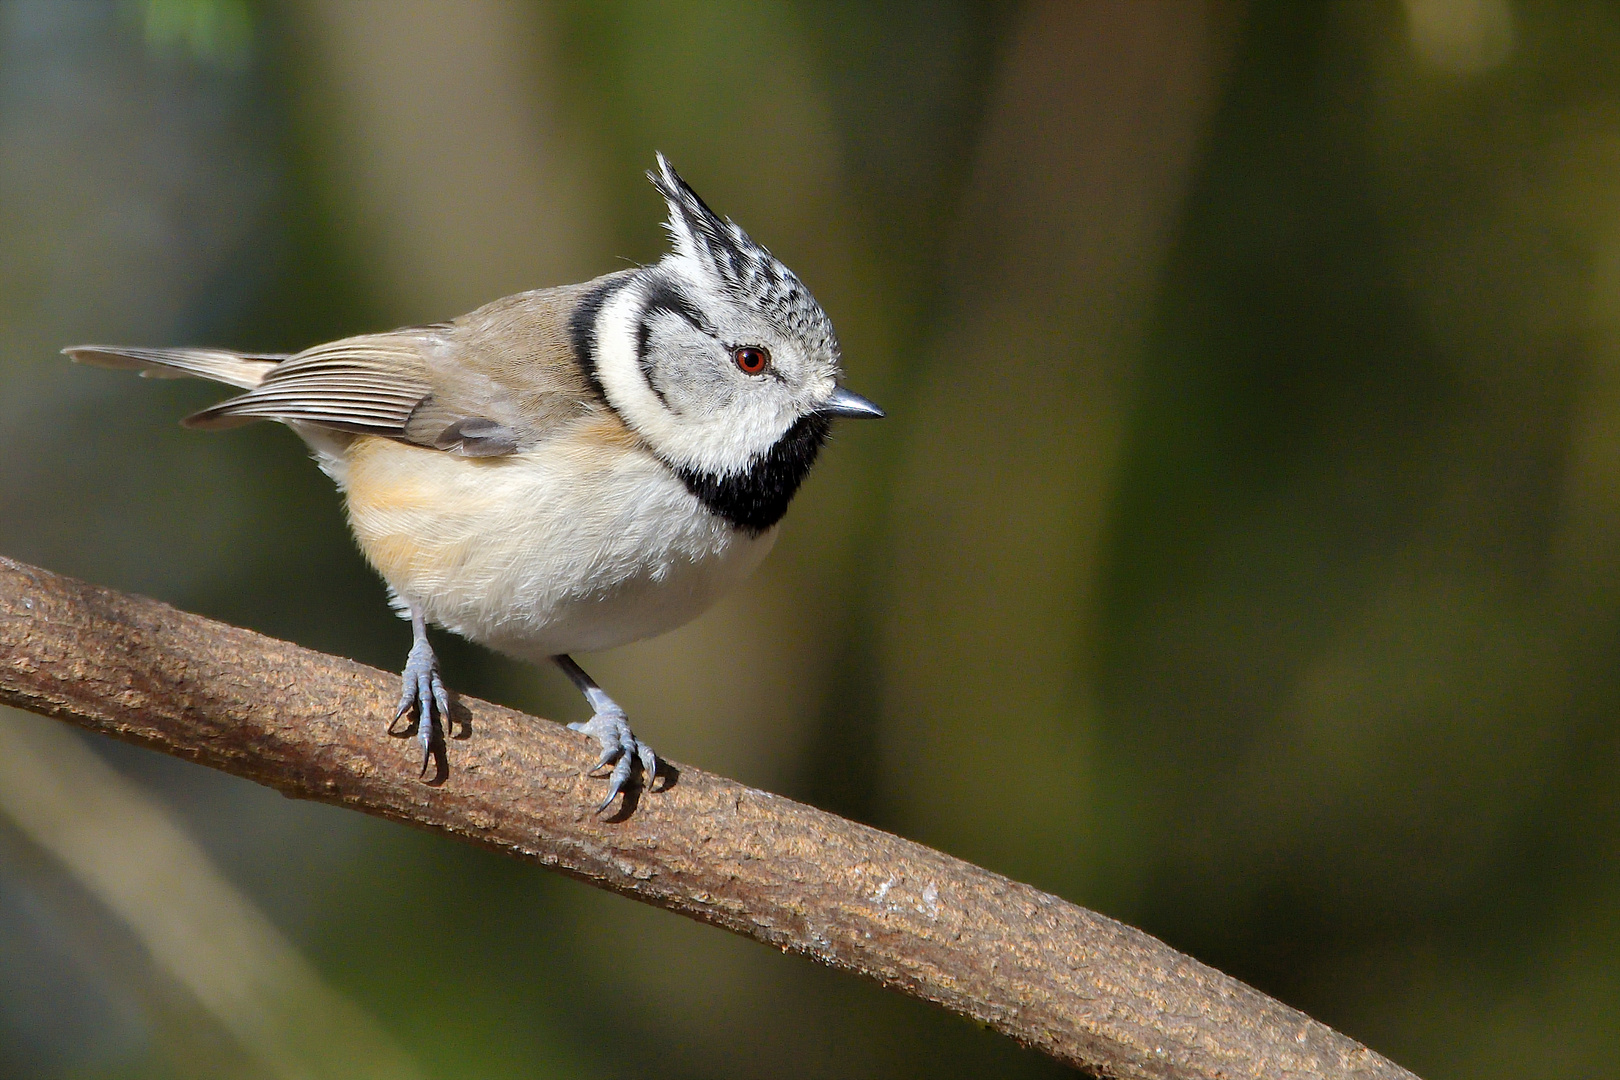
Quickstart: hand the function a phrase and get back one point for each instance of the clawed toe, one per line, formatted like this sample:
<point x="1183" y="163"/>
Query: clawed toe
<point x="423" y="691"/>
<point x="619" y="747"/>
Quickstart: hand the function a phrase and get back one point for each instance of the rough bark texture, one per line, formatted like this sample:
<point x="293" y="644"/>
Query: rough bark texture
<point x="1081" y="987"/>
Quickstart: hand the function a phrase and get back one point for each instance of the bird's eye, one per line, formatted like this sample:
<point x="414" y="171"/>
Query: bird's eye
<point x="751" y="360"/>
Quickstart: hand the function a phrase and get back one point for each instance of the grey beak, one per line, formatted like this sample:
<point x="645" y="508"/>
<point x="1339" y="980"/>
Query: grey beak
<point x="847" y="403"/>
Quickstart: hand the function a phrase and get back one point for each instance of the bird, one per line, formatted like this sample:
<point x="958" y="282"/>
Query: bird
<point x="564" y="470"/>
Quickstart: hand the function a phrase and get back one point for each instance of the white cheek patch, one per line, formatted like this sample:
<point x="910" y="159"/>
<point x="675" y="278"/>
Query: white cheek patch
<point x="722" y="443"/>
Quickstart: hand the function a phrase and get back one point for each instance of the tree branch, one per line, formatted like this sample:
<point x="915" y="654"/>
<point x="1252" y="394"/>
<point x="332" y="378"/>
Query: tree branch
<point x="1081" y="987"/>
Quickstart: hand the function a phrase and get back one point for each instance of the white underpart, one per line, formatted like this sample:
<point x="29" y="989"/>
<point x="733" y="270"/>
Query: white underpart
<point x="570" y="546"/>
<point x="722" y="445"/>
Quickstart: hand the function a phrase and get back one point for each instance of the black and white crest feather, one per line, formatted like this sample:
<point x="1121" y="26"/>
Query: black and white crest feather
<point x="746" y="270"/>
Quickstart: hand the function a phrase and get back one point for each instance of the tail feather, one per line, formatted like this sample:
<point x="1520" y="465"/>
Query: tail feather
<point x="246" y="370"/>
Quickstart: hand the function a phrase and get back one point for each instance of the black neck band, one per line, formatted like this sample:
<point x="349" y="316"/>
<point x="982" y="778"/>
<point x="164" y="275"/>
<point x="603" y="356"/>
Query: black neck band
<point x="756" y="498"/>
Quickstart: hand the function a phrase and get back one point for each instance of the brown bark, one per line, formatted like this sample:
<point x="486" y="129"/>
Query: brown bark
<point x="1081" y="987"/>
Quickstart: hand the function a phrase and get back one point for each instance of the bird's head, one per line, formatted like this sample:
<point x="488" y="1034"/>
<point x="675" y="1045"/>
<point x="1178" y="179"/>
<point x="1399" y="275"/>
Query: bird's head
<point x="719" y="357"/>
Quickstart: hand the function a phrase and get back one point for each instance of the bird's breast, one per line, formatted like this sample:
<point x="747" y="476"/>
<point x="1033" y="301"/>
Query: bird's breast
<point x="583" y="542"/>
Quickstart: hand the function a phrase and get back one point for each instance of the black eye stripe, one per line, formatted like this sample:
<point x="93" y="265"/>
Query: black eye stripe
<point x="665" y="296"/>
<point x="644" y="361"/>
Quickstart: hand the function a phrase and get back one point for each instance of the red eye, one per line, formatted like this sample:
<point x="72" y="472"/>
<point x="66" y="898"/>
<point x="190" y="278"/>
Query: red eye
<point x="751" y="360"/>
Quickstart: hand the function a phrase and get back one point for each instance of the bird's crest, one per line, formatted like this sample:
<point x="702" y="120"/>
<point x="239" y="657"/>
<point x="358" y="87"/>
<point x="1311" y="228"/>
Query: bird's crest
<point x="739" y="266"/>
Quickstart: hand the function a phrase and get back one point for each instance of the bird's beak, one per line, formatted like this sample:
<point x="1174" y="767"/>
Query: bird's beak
<point x="847" y="403"/>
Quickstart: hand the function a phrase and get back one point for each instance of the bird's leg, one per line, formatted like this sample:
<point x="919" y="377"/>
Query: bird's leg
<point x="423" y="688"/>
<point x="611" y="729"/>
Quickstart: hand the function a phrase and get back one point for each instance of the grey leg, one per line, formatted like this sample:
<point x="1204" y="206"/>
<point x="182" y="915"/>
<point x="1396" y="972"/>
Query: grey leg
<point x="611" y="729"/>
<point x="423" y="688"/>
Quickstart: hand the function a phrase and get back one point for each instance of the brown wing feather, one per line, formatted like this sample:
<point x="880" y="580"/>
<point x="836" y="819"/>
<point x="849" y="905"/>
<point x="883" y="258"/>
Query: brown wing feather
<point x="510" y="363"/>
<point x="366" y="384"/>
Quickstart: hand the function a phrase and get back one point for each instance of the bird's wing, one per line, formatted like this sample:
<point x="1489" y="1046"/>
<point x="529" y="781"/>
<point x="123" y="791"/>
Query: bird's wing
<point x="368" y="384"/>
<point x="506" y="376"/>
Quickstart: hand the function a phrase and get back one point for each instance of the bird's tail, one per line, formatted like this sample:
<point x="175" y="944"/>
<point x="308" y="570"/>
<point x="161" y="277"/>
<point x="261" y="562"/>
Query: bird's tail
<point x="246" y="370"/>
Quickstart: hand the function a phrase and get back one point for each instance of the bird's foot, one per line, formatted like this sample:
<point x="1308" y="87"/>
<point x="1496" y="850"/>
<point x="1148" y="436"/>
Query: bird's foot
<point x="425" y="693"/>
<point x="611" y="730"/>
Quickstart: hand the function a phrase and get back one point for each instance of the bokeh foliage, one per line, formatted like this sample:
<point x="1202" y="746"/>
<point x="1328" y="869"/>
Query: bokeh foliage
<point x="1241" y="557"/>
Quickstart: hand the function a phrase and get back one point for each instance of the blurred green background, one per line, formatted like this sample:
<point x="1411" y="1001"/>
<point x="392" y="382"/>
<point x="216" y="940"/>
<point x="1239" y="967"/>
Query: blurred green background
<point x="1241" y="557"/>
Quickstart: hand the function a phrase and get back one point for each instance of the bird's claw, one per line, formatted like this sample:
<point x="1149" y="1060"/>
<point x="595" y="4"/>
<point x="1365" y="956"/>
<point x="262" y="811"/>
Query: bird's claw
<point x="620" y="747"/>
<point x="424" y="691"/>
